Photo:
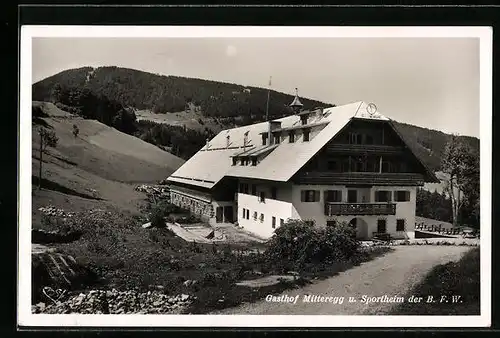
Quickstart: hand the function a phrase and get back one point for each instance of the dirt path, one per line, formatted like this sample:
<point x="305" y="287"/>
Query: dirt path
<point x="392" y="275"/>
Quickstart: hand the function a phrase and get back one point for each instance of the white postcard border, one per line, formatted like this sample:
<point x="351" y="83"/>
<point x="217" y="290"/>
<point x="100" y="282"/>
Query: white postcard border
<point x="25" y="316"/>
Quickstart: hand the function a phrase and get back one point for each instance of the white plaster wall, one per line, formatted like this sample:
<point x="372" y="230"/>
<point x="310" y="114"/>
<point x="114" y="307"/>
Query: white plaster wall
<point x="315" y="210"/>
<point x="269" y="208"/>
<point x="284" y="190"/>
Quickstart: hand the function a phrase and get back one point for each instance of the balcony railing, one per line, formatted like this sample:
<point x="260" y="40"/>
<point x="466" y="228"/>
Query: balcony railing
<point x="337" y="209"/>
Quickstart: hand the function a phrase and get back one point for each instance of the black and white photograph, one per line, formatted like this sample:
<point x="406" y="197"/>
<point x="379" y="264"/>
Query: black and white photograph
<point x="255" y="176"/>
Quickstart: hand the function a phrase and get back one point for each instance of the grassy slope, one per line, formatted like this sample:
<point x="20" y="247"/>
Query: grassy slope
<point x="100" y="163"/>
<point x="452" y="279"/>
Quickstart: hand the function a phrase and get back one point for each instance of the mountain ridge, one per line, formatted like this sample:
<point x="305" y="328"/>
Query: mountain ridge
<point x="198" y="104"/>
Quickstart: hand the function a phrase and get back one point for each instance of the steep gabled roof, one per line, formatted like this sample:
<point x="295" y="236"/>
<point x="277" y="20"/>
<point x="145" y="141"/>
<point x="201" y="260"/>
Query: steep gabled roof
<point x="213" y="162"/>
<point x="431" y="176"/>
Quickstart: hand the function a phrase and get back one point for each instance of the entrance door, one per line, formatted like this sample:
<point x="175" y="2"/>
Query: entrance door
<point x="219" y="214"/>
<point x="228" y="214"/>
<point x="361" y="227"/>
<point x="352" y="196"/>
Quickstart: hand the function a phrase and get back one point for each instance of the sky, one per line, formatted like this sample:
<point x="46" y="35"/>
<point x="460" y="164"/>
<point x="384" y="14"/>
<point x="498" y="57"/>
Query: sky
<point x="429" y="82"/>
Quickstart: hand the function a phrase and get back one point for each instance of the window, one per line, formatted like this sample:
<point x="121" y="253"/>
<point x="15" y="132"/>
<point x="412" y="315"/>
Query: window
<point x="282" y="221"/>
<point x="291" y="137"/>
<point x="381" y="226"/>
<point x="309" y="196"/>
<point x="372" y="165"/>
<point x="261" y="218"/>
<point x="242" y="161"/>
<point x="254" y="161"/>
<point x="276" y="139"/>
<point x="234" y="160"/>
<point x="274" y="222"/>
<point x="382" y="196"/>
<point x="262" y="196"/>
<point x="274" y="193"/>
<point x="331" y="223"/>
<point x="354" y="138"/>
<point x="306" y="135"/>
<point x="241" y="187"/>
<point x="359" y="166"/>
<point x="255" y="215"/>
<point x="369" y="139"/>
<point x="333" y="165"/>
<point x="303" y="119"/>
<point x="244" y="212"/>
<point x="254" y="189"/>
<point x="386" y="167"/>
<point x="345" y="166"/>
<point x="352" y="196"/>
<point x="264" y="139"/>
<point x="245" y="188"/>
<point x="333" y="195"/>
<point x="400" y="225"/>
<point x="248" y="214"/>
<point x="402" y="196"/>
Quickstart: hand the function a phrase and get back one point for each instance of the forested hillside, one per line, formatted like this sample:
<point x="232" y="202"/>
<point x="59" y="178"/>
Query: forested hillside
<point x="164" y="94"/>
<point x="112" y="95"/>
<point x="429" y="144"/>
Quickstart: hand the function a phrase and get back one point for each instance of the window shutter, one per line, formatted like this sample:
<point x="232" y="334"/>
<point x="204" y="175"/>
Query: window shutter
<point x="316" y="196"/>
<point x="389" y="196"/>
<point x="407" y="195"/>
<point x="302" y="195"/>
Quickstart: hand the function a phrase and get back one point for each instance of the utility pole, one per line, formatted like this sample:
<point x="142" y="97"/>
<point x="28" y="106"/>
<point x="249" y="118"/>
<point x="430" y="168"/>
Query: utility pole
<point x="267" y="111"/>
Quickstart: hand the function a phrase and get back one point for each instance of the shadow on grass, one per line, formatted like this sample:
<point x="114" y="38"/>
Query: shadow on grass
<point x="50" y="185"/>
<point x="58" y="271"/>
<point x="64" y="160"/>
<point x="40" y="236"/>
<point x="37" y="121"/>
<point x="457" y="282"/>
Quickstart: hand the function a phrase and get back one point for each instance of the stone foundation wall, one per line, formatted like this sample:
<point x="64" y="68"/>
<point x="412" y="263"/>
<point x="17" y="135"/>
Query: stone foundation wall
<point x="196" y="206"/>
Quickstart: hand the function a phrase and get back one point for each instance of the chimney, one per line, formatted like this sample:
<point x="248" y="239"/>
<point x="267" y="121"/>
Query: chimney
<point x="245" y="140"/>
<point x="227" y="141"/>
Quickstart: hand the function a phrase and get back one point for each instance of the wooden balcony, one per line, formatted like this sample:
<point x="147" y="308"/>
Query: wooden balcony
<point x="338" y="209"/>
<point x="378" y="149"/>
<point x="363" y="178"/>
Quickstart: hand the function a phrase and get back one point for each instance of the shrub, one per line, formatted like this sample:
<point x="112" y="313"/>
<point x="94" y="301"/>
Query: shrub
<point x="299" y="243"/>
<point x="188" y="220"/>
<point x="157" y="218"/>
<point x="160" y="212"/>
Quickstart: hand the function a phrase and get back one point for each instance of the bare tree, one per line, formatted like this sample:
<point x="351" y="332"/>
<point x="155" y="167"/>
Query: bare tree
<point x="462" y="167"/>
<point x="48" y="138"/>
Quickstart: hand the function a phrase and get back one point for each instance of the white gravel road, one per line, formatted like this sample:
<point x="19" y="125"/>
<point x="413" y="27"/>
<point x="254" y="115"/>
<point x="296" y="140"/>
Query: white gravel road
<point x="392" y="275"/>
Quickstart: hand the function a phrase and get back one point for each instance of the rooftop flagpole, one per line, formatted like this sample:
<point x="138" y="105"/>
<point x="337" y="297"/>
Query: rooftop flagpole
<point x="267" y="111"/>
<point x="268" y="94"/>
